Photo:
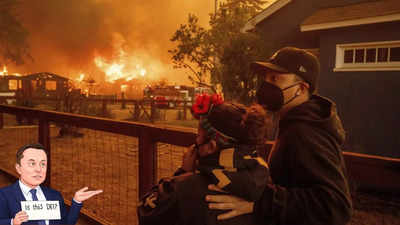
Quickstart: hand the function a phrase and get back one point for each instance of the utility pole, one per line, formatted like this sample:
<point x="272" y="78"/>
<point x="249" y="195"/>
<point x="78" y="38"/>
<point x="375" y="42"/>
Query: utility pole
<point x="214" y="58"/>
<point x="216" y="7"/>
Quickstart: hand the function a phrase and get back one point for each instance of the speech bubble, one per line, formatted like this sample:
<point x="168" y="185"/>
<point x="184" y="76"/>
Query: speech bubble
<point x="42" y="210"/>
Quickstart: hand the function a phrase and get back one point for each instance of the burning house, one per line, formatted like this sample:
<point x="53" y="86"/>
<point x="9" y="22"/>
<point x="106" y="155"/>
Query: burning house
<point x="38" y="85"/>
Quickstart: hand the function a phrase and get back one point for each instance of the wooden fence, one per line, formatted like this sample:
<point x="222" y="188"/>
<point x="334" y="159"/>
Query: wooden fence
<point x="145" y="107"/>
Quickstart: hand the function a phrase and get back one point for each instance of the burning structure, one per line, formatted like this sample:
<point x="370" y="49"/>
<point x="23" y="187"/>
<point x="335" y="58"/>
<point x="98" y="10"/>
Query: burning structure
<point x="36" y="85"/>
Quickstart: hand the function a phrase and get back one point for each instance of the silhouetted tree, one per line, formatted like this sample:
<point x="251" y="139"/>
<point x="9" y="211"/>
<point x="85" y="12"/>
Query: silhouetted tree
<point x="13" y="36"/>
<point x="222" y="51"/>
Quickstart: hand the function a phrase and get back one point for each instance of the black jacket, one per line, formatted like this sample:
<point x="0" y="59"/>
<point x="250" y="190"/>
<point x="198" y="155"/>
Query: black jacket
<point x="307" y="169"/>
<point x="180" y="200"/>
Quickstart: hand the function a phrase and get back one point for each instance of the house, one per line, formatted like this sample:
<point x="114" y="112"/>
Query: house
<point x="9" y="85"/>
<point x="45" y="85"/>
<point x="34" y="85"/>
<point x="358" y="43"/>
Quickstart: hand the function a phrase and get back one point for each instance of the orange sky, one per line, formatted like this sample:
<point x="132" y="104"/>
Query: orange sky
<point x="66" y="35"/>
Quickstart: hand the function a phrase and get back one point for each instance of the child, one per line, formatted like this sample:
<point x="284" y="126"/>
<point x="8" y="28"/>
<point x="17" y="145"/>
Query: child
<point x="225" y="154"/>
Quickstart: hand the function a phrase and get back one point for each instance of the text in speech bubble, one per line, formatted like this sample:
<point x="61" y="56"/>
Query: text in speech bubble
<point x="42" y="210"/>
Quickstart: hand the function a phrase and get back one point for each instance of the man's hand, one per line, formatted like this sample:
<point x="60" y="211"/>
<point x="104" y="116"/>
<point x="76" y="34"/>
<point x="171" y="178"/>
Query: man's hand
<point x="237" y="205"/>
<point x="19" y="218"/>
<point x="82" y="194"/>
<point x="189" y="159"/>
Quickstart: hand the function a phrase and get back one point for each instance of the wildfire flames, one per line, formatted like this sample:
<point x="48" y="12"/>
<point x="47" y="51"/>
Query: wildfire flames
<point x="110" y="42"/>
<point x="123" y="66"/>
<point x="81" y="77"/>
<point x="118" y="70"/>
<point x="5" y="71"/>
<point x="124" y="87"/>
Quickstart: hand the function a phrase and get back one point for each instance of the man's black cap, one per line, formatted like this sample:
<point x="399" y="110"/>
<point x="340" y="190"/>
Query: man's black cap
<point x="293" y="60"/>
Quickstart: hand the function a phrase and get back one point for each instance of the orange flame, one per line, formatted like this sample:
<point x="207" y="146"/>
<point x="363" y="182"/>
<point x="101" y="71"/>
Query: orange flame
<point x="120" y="67"/>
<point x="81" y="77"/>
<point x="5" y="71"/>
<point x="124" y="87"/>
<point x="118" y="70"/>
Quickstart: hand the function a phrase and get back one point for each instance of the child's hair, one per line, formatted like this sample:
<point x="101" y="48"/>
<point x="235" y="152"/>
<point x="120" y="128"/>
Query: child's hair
<point x="247" y="125"/>
<point x="236" y="123"/>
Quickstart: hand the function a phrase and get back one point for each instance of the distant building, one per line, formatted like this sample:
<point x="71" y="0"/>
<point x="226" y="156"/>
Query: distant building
<point x="34" y="85"/>
<point x="9" y="85"/>
<point x="358" y="43"/>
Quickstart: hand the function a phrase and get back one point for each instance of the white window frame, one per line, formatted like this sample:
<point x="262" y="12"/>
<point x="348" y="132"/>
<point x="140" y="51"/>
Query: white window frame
<point x="366" y="66"/>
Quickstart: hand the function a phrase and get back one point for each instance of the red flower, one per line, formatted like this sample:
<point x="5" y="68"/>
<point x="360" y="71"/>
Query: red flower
<point x="216" y="99"/>
<point x="203" y="104"/>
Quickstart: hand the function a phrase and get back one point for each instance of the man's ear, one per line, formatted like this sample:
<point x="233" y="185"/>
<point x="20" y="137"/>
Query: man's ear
<point x="304" y="87"/>
<point x="18" y="168"/>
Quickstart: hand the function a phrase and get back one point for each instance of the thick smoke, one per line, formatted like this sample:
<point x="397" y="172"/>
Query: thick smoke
<point x="66" y="35"/>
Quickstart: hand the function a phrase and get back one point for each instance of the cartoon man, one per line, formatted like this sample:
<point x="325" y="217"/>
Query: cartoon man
<point x="31" y="165"/>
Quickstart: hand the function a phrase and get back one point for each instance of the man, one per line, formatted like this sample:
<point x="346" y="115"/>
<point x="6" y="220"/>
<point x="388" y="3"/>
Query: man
<point x="32" y="166"/>
<point x="306" y="164"/>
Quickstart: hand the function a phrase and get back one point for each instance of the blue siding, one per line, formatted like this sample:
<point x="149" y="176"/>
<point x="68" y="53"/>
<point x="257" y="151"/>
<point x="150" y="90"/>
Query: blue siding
<point x="368" y="102"/>
<point x="283" y="27"/>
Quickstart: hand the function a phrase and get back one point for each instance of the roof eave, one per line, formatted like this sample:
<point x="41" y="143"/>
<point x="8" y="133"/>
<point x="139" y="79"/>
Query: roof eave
<point x="271" y="9"/>
<point x="352" y="22"/>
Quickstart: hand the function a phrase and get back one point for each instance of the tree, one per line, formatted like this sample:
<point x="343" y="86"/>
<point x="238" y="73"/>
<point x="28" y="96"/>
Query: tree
<point x="233" y="74"/>
<point x="13" y="36"/>
<point x="193" y="52"/>
<point x="210" y="51"/>
<point x="222" y="51"/>
<point x="235" y="50"/>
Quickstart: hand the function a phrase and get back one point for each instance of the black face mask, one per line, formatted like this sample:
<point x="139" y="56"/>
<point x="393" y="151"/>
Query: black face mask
<point x="271" y="96"/>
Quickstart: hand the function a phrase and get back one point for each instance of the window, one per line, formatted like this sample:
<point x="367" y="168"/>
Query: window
<point x="383" y="54"/>
<point x="35" y="84"/>
<point x="359" y="57"/>
<point x="371" y="55"/>
<point x="368" y="56"/>
<point x="12" y="85"/>
<point x="51" y="85"/>
<point x="348" y="55"/>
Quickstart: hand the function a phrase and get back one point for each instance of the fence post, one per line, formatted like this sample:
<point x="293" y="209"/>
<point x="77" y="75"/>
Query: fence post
<point x="104" y="107"/>
<point x="184" y="110"/>
<point x="152" y="111"/>
<point x="123" y="104"/>
<point x="44" y="139"/>
<point x="136" y="111"/>
<point x="1" y="120"/>
<point x="147" y="162"/>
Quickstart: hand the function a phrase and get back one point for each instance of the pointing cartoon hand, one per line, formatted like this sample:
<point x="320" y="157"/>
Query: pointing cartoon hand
<point x="83" y="194"/>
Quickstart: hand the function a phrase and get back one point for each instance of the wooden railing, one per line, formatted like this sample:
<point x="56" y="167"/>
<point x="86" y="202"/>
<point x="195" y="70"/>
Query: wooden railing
<point x="147" y="134"/>
<point x="138" y="105"/>
<point x="373" y="173"/>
